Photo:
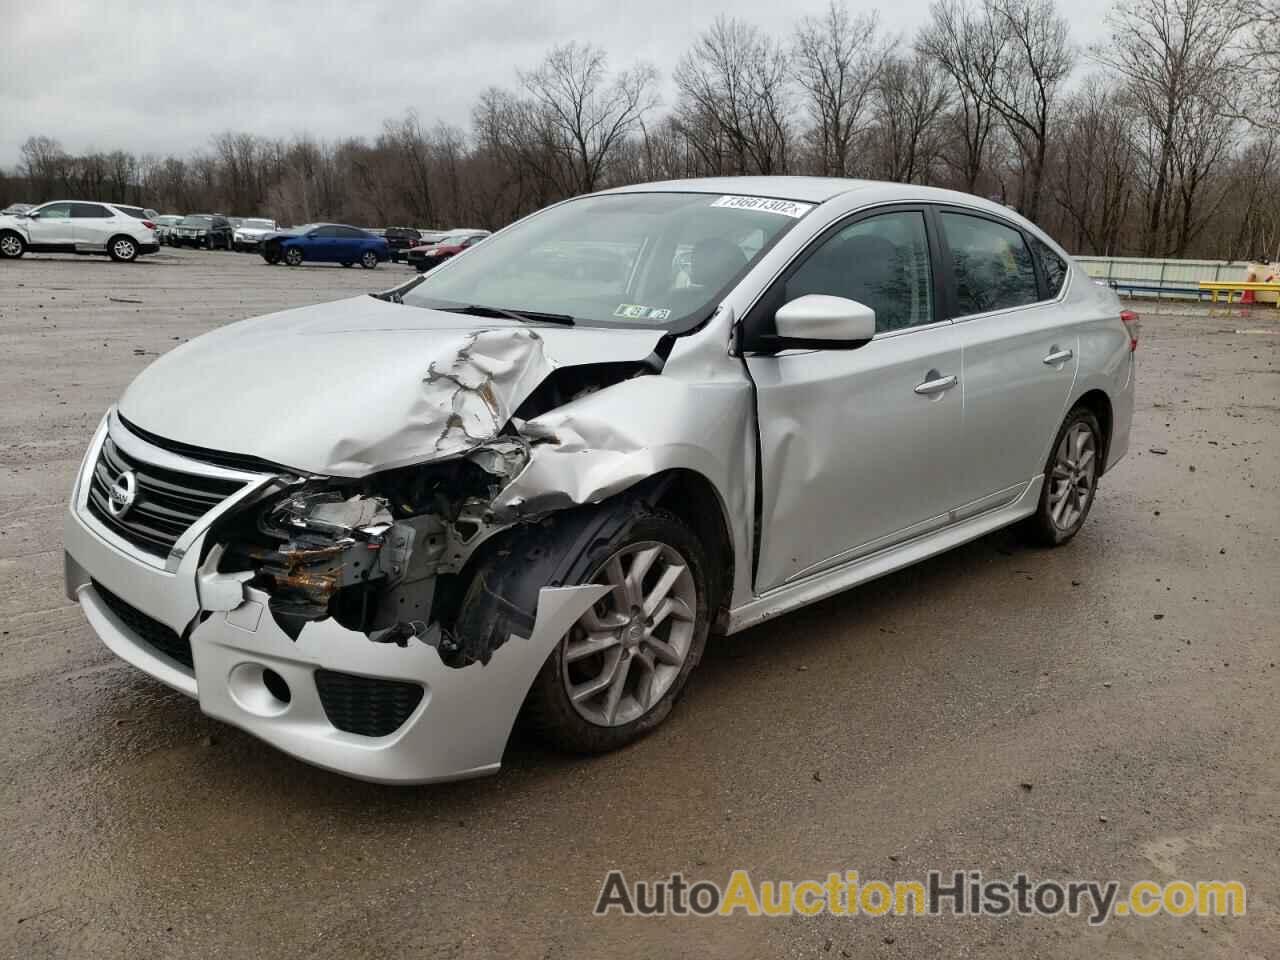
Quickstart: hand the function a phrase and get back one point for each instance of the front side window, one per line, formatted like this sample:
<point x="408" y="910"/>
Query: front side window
<point x="882" y="262"/>
<point x="991" y="265"/>
<point x="1054" y="267"/>
<point x="54" y="211"/>
<point x="612" y="260"/>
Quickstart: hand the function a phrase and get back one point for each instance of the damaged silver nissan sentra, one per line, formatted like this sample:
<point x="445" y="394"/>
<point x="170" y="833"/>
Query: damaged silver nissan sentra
<point x="371" y="532"/>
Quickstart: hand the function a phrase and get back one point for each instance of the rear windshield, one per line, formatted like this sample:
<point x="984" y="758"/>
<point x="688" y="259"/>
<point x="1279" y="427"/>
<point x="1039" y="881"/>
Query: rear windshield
<point x="136" y="212"/>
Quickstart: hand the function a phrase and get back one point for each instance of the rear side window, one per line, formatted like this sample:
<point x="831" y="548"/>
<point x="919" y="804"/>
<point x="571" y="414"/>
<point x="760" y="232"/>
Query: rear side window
<point x="990" y="263"/>
<point x="89" y="211"/>
<point x="352" y="233"/>
<point x="1055" y="269"/>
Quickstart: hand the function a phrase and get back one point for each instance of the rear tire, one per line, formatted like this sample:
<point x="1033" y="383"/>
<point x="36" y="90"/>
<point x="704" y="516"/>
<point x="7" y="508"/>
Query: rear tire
<point x="1070" y="480"/>
<point x="647" y="638"/>
<point x="368" y="260"/>
<point x="122" y="249"/>
<point x="12" y="246"/>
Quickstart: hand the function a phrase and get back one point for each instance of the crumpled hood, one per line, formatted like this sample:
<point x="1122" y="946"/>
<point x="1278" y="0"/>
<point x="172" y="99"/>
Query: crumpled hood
<point x="359" y="385"/>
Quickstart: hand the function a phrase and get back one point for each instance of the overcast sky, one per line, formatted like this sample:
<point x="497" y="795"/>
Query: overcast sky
<point x="164" y="76"/>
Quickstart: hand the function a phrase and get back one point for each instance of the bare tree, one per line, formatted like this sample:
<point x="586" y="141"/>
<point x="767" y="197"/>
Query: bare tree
<point x="912" y="96"/>
<point x="1174" y="56"/>
<point x="837" y="61"/>
<point x="961" y="43"/>
<point x="587" y="113"/>
<point x="734" y="99"/>
<point x="1094" y="179"/>
<point x="1031" y="59"/>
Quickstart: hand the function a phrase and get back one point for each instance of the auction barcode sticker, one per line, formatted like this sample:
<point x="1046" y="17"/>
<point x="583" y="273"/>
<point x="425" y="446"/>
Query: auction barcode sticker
<point x="788" y="208"/>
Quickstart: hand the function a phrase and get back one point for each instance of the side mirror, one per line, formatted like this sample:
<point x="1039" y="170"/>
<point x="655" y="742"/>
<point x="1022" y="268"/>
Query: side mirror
<point x="817" y="320"/>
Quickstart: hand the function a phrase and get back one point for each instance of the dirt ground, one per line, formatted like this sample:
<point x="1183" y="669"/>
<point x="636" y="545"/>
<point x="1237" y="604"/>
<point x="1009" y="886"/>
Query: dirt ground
<point x="1106" y="710"/>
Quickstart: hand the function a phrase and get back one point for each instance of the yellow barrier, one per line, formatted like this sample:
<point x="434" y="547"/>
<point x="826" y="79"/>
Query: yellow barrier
<point x="1229" y="287"/>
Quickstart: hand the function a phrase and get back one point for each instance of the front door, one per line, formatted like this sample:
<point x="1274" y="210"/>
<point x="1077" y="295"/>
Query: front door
<point x="52" y="229"/>
<point x="858" y="447"/>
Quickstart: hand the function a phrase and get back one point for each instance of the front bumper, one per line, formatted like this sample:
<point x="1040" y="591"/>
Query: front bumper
<point x="458" y="729"/>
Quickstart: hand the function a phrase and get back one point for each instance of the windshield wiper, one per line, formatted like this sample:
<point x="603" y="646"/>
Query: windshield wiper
<point x="525" y="316"/>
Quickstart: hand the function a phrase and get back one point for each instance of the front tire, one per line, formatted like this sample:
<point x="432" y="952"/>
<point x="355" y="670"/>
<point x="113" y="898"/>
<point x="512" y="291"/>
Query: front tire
<point x="617" y="673"/>
<point x="122" y="249"/>
<point x="12" y="246"/>
<point x="293" y="257"/>
<point x="1070" y="480"/>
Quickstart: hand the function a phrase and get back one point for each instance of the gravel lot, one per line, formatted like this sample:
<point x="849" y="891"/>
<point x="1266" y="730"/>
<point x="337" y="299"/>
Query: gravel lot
<point x="1129" y="680"/>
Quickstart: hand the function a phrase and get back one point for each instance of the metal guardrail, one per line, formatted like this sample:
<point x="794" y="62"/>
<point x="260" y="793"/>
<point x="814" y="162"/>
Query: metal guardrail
<point x="1178" y="279"/>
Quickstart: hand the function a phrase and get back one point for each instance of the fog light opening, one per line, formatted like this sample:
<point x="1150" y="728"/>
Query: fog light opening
<point x="276" y="686"/>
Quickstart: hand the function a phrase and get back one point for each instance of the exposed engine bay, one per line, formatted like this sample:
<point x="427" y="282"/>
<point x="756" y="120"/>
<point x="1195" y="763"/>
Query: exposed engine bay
<point x="384" y="555"/>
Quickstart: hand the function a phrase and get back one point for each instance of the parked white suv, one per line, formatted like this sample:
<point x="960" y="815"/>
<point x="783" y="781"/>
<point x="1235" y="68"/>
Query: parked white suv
<point x="75" y="226"/>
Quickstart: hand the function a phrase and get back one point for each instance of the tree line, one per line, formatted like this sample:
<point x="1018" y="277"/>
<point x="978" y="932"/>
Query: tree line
<point x="1159" y="141"/>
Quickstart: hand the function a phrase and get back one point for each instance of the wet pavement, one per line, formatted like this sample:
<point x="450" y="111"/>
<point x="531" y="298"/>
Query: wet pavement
<point x="1106" y="710"/>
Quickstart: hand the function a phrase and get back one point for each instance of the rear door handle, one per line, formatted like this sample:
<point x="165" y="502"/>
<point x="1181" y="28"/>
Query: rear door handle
<point x="1057" y="356"/>
<point x="935" y="384"/>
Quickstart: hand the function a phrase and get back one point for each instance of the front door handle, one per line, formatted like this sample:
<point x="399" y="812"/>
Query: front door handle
<point x="935" y="383"/>
<point x="1057" y="355"/>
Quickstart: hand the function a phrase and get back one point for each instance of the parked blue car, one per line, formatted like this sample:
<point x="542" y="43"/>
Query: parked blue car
<point x="325" y="243"/>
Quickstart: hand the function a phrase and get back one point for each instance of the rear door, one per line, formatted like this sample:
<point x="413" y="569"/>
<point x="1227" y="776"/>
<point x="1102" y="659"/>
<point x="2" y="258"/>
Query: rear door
<point x="1020" y="351"/>
<point x="351" y="243"/>
<point x="52" y="228"/>
<point x="323" y="244"/>
<point x="858" y="447"/>
<point x="93" y="225"/>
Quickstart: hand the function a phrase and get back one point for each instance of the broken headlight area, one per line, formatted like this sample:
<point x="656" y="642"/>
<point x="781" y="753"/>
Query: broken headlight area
<point x="377" y="555"/>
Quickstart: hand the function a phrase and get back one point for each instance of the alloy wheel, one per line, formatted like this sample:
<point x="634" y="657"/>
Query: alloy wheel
<point x="10" y="245"/>
<point x="124" y="249"/>
<point x="1074" y="473"/>
<point x="624" y="654"/>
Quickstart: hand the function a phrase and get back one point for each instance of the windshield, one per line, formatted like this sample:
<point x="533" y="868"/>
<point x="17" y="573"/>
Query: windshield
<point x="454" y="239"/>
<point x="631" y="259"/>
<point x="169" y="220"/>
<point x="197" y="221"/>
<point x="259" y="224"/>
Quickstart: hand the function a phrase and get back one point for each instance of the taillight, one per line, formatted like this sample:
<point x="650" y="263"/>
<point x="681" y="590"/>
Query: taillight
<point x="1133" y="325"/>
<point x="148" y="224"/>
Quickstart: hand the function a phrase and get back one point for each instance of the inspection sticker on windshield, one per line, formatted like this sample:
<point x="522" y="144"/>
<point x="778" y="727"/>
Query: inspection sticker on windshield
<point x="788" y="208"/>
<point x="636" y="311"/>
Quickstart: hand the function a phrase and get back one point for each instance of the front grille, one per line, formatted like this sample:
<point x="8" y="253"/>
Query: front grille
<point x="366" y="705"/>
<point x="151" y="631"/>
<point x="166" y="502"/>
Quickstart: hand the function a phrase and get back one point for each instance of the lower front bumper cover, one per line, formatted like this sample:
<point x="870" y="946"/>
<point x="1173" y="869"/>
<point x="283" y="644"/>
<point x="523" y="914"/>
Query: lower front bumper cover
<point x="459" y="730"/>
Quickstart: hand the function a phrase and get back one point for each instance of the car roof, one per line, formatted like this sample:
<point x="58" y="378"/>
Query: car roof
<point x="822" y="189"/>
<point x="807" y="189"/>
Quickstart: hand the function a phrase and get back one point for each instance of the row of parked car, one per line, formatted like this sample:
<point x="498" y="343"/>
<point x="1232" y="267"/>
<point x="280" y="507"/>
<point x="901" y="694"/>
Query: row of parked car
<point x="124" y="232"/>
<point x="347" y="245"/>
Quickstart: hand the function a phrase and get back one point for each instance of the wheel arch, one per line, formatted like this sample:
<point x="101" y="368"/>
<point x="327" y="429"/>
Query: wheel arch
<point x="1099" y="404"/>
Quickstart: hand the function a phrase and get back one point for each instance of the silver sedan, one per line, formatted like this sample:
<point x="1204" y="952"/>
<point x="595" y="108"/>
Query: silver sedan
<point x="544" y="474"/>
